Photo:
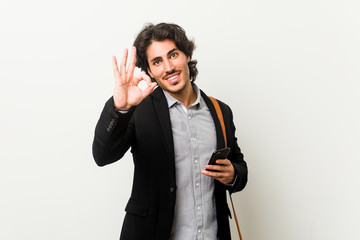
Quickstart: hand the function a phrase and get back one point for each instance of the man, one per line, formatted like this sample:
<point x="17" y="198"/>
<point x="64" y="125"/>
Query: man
<point x="172" y="132"/>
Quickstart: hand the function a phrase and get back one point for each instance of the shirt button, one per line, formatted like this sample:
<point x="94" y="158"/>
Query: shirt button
<point x="199" y="231"/>
<point x="197" y="184"/>
<point x="196" y="161"/>
<point x="172" y="189"/>
<point x="198" y="208"/>
<point x="193" y="139"/>
<point x="189" y="117"/>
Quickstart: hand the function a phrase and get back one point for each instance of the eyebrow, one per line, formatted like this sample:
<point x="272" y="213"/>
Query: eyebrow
<point x="158" y="58"/>
<point x="171" y="51"/>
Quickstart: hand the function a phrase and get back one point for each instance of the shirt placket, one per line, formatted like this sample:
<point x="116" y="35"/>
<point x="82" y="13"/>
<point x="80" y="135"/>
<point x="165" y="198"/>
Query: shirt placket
<point x="196" y="163"/>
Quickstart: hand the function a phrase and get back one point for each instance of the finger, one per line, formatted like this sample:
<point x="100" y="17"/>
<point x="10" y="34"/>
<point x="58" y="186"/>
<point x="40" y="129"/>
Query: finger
<point x="137" y="79"/>
<point x="149" y="89"/>
<point x="147" y="79"/>
<point x="130" y="71"/>
<point x="223" y="162"/>
<point x="115" y="67"/>
<point x="140" y="77"/>
<point x="219" y="168"/>
<point x="215" y="175"/>
<point x="123" y="64"/>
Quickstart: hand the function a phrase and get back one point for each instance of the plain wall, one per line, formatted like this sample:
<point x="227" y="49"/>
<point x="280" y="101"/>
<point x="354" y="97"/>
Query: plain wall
<point x="290" y="70"/>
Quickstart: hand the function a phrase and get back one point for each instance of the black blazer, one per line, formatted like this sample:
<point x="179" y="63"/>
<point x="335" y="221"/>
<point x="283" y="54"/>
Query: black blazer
<point x="147" y="130"/>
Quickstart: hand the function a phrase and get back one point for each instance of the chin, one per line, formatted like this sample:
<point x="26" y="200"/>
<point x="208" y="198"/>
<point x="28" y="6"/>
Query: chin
<point x="176" y="88"/>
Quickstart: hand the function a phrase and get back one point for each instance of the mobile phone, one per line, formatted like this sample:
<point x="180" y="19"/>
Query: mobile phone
<point x="219" y="154"/>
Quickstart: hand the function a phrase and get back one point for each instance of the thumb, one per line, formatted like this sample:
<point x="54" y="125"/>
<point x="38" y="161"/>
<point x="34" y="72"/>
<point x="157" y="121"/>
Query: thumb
<point x="149" y="89"/>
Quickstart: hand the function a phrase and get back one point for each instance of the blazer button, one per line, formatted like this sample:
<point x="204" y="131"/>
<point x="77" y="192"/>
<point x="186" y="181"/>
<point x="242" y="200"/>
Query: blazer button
<point x="172" y="189"/>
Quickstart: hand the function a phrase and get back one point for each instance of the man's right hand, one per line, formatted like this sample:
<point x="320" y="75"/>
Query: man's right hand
<point x="127" y="94"/>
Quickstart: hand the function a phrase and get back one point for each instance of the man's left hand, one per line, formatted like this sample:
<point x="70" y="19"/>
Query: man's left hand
<point x="225" y="171"/>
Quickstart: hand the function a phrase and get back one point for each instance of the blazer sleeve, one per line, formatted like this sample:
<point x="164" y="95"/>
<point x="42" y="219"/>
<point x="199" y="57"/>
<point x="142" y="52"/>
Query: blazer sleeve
<point x="236" y="157"/>
<point x="114" y="134"/>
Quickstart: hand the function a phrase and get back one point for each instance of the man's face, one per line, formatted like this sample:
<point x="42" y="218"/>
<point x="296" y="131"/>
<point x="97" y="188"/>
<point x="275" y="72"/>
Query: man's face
<point x="169" y="66"/>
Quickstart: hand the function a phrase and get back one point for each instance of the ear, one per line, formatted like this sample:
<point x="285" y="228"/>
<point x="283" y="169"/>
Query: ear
<point x="188" y="59"/>
<point x="150" y="73"/>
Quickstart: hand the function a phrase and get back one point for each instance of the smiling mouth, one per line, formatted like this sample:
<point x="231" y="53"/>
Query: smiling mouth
<point x="173" y="77"/>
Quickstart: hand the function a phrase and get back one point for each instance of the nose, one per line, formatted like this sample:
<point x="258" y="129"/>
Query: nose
<point x="169" y="67"/>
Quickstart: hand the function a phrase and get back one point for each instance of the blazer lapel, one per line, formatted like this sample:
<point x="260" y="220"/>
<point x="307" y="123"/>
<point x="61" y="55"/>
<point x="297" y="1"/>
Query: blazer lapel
<point x="162" y="112"/>
<point x="219" y="135"/>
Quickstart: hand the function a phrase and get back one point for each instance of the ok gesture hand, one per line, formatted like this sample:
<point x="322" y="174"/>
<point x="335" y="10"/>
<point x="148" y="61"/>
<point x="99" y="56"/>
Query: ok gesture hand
<point x="127" y="94"/>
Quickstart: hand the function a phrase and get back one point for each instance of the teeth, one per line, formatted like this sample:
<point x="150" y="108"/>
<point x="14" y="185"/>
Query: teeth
<point x="172" y="78"/>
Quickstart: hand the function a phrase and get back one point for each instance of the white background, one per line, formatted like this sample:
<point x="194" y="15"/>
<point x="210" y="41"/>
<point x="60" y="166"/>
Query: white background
<point x="290" y="70"/>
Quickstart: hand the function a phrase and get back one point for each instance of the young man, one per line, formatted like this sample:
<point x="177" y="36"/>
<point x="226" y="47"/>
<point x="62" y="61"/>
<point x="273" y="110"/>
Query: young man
<point x="172" y="132"/>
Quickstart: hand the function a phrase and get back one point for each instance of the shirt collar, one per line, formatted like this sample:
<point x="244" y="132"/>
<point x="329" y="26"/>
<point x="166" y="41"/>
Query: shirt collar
<point x="172" y="101"/>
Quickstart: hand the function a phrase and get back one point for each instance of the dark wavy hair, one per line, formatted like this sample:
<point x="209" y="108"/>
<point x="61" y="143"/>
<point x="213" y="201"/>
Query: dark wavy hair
<point x="160" y="32"/>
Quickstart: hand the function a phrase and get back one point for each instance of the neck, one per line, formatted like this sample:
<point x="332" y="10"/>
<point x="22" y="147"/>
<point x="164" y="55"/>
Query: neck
<point x="187" y="96"/>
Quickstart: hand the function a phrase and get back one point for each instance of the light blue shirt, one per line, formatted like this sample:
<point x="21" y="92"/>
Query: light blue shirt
<point x="194" y="137"/>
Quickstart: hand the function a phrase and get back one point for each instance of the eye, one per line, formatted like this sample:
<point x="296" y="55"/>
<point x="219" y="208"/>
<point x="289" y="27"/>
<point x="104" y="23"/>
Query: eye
<point x="174" y="54"/>
<point x="157" y="62"/>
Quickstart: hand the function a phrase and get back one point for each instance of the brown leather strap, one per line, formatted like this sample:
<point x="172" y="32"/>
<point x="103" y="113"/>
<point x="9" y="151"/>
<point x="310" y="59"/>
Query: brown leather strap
<point x="221" y="119"/>
<point x="236" y="220"/>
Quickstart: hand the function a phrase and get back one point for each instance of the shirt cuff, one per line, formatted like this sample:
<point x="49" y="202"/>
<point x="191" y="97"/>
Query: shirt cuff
<point x="122" y="111"/>
<point x="231" y="184"/>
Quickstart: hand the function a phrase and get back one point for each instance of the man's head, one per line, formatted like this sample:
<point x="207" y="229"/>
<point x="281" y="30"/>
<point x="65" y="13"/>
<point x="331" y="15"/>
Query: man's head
<point x="160" y="32"/>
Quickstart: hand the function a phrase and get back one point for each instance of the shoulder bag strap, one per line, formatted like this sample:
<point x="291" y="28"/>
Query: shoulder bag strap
<point x="221" y="119"/>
